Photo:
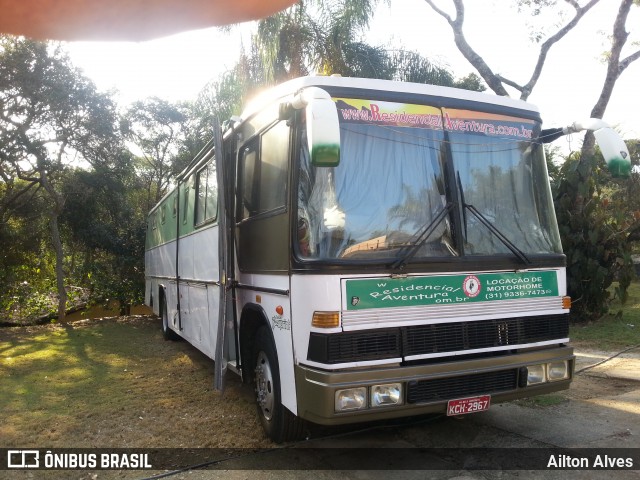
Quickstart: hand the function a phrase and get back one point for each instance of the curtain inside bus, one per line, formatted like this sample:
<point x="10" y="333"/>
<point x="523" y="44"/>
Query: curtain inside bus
<point x="389" y="188"/>
<point x="507" y="181"/>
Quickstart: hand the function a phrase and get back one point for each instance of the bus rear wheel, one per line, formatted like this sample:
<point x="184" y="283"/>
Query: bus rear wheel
<point x="278" y="422"/>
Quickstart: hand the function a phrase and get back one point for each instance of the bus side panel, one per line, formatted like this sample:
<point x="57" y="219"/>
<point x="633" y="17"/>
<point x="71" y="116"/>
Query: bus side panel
<point x="199" y="274"/>
<point x="280" y="325"/>
<point x="160" y="266"/>
<point x="310" y="293"/>
<point x="171" y="292"/>
<point x="150" y="285"/>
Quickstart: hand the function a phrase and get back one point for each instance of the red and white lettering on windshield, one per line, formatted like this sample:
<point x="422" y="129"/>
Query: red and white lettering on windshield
<point x="437" y="122"/>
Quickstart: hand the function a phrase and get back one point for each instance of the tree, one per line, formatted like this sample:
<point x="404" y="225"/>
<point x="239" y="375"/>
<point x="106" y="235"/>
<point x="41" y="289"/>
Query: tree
<point x="616" y="62"/>
<point x="105" y="217"/>
<point x="226" y="96"/>
<point x="25" y="257"/>
<point x="616" y="65"/>
<point x="50" y="116"/>
<point x="157" y="128"/>
<point x="594" y="238"/>
<point x="312" y="35"/>
<point x="495" y="81"/>
<point x="599" y="241"/>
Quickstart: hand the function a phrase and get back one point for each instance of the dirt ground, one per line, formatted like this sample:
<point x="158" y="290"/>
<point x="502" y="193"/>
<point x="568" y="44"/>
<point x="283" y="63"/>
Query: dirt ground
<point x="144" y="392"/>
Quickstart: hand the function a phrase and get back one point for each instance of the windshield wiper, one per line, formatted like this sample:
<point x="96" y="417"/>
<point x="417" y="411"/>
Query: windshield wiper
<point x="425" y="233"/>
<point x="492" y="228"/>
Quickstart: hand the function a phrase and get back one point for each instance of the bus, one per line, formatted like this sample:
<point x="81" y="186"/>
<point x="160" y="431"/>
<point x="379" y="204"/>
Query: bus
<point x="363" y="249"/>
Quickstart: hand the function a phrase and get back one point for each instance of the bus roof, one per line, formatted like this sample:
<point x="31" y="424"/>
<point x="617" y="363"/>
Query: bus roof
<point x="292" y="86"/>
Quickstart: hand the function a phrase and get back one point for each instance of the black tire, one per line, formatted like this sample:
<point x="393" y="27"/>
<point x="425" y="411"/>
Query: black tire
<point x="167" y="333"/>
<point x="278" y="422"/>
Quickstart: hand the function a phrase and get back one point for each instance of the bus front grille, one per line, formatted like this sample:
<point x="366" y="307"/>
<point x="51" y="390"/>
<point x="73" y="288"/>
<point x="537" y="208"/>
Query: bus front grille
<point x="460" y="336"/>
<point x="437" y="340"/>
<point x="355" y="346"/>
<point x="441" y="389"/>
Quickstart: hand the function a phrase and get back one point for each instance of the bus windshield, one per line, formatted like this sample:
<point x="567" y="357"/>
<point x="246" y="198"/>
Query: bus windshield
<point x="507" y="182"/>
<point x="392" y="192"/>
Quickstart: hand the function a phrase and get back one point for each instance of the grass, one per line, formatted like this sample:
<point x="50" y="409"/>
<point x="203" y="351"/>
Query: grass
<point x="613" y="331"/>
<point x="542" y="401"/>
<point x="114" y="382"/>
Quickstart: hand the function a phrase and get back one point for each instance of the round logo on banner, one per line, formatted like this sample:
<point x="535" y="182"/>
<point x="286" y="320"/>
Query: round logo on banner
<point x="471" y="286"/>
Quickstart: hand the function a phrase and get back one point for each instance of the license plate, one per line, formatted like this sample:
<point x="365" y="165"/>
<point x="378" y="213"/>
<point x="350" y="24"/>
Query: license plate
<point x="462" y="406"/>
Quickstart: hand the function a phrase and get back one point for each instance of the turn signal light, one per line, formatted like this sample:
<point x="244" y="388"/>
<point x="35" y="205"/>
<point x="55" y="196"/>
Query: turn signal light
<point x="566" y="303"/>
<point x="326" y="319"/>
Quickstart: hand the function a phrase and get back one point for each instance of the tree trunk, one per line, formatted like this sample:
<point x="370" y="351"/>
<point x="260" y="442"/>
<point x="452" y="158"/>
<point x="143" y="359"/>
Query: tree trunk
<point x="494" y="81"/>
<point x="57" y="246"/>
<point x="54" y="213"/>
<point x="615" y="67"/>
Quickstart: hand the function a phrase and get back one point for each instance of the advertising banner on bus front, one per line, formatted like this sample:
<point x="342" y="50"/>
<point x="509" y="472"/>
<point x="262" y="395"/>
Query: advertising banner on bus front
<point x="449" y="289"/>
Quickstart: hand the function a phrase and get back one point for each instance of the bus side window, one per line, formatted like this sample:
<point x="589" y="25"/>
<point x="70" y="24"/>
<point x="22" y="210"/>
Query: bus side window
<point x="249" y="169"/>
<point x="206" y="194"/>
<point x="274" y="159"/>
<point x="185" y="202"/>
<point x="264" y="172"/>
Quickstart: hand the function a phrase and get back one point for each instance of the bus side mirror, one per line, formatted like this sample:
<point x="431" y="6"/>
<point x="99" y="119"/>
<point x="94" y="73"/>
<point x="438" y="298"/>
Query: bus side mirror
<point x="614" y="151"/>
<point x="323" y="127"/>
<point x="613" y="148"/>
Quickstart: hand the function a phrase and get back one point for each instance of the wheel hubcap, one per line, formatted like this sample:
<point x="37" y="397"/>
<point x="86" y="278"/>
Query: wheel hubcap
<point x="264" y="386"/>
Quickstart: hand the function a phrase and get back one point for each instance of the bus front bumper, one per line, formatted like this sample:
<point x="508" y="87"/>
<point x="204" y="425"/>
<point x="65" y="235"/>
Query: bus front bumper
<point x="350" y="396"/>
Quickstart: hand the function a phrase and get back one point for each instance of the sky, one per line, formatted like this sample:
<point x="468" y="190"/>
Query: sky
<point x="178" y="67"/>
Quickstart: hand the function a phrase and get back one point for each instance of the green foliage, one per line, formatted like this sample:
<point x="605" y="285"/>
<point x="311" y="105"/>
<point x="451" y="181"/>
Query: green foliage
<point x="105" y="218"/>
<point x="594" y="221"/>
<point x="325" y="37"/>
<point x="30" y="298"/>
<point x="614" y="331"/>
<point x="312" y="35"/>
<point x="70" y="207"/>
<point x="157" y="128"/>
<point x="320" y="36"/>
<point x="226" y="96"/>
<point x="542" y="401"/>
<point x="470" y="82"/>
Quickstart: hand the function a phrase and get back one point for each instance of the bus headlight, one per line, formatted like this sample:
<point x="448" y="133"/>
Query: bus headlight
<point x="558" y="371"/>
<point x="536" y="374"/>
<point x="384" y="395"/>
<point x="351" y="399"/>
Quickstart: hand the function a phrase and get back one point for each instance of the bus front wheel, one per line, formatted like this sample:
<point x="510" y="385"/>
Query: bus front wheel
<point x="278" y="422"/>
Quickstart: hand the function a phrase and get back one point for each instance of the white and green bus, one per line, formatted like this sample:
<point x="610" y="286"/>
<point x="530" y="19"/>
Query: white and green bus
<point x="365" y="249"/>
